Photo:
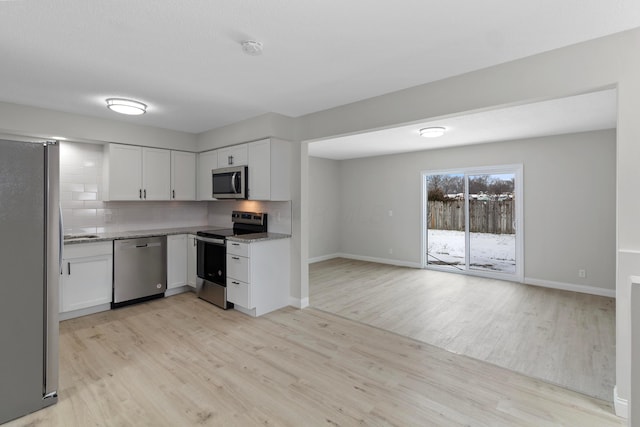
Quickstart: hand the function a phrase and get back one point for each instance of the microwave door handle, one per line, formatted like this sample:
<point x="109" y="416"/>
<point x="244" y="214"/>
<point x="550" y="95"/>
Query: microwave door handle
<point x="234" y="182"/>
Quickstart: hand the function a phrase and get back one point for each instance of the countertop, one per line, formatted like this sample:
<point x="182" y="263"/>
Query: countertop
<point x="105" y="237"/>
<point x="257" y="237"/>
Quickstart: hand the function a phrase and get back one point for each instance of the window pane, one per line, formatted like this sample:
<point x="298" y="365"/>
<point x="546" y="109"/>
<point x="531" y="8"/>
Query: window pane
<point x="492" y="238"/>
<point x="446" y="220"/>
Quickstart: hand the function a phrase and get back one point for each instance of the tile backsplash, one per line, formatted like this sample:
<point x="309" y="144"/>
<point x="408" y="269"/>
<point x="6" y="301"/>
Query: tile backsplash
<point x="83" y="210"/>
<point x="278" y="220"/>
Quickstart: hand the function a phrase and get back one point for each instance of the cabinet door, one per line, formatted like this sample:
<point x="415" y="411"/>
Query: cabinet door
<point x="232" y="156"/>
<point x="124" y="172"/>
<point x="176" y="261"/>
<point x="156" y="173"/>
<point x="183" y="175"/>
<point x="207" y="161"/>
<point x="192" y="253"/>
<point x="259" y="157"/>
<point x="86" y="282"/>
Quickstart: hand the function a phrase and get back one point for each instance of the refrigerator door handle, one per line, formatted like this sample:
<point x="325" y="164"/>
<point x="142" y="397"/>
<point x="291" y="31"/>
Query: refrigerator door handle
<point x="60" y="237"/>
<point x="53" y="263"/>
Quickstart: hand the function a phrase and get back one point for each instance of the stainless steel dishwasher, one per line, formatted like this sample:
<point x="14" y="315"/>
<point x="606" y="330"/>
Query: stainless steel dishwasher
<point x="139" y="270"/>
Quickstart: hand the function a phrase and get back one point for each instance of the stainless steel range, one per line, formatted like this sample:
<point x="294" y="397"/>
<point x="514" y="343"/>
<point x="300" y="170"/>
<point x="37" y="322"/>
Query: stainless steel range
<point x="212" y="255"/>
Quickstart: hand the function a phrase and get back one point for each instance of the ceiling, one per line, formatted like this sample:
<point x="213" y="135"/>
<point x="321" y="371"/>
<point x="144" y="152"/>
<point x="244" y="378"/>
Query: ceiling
<point x="184" y="59"/>
<point x="587" y="112"/>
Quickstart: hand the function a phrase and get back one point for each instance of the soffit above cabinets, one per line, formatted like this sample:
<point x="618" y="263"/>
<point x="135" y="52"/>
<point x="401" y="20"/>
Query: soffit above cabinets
<point x="581" y="113"/>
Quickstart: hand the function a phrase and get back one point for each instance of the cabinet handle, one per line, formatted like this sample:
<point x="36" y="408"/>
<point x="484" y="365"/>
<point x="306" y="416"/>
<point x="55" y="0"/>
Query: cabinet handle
<point x="145" y="193"/>
<point x="69" y="268"/>
<point x="236" y="283"/>
<point x="195" y="242"/>
<point x="173" y="193"/>
<point x="235" y="257"/>
<point x="235" y="244"/>
<point x="140" y="193"/>
<point x="230" y="160"/>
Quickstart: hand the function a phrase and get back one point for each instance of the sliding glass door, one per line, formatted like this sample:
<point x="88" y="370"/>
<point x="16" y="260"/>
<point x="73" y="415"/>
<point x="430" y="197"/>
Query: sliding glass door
<point x="472" y="221"/>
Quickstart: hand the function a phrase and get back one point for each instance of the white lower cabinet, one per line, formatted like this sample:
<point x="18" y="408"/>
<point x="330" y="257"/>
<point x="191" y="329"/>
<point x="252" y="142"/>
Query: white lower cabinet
<point x="86" y="279"/>
<point x="192" y="257"/>
<point x="176" y="262"/>
<point x="258" y="275"/>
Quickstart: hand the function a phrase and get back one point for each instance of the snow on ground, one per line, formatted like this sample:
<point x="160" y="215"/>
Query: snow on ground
<point x="495" y="252"/>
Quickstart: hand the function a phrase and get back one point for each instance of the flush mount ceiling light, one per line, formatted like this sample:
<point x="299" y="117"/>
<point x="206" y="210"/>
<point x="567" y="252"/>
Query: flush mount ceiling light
<point x="432" y="132"/>
<point x="252" y="47"/>
<point x="126" y="106"/>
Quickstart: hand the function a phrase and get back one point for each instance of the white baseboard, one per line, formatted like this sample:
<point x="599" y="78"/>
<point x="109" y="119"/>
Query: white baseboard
<point x="611" y="293"/>
<point x="322" y="258"/>
<point x="397" y="262"/>
<point x="299" y="302"/>
<point x="621" y="405"/>
<point x="84" y="311"/>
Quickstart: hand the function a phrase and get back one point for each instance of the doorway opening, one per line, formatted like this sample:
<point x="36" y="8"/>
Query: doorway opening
<point x="472" y="221"/>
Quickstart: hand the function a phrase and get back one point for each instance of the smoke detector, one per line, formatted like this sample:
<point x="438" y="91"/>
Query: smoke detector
<point x="252" y="47"/>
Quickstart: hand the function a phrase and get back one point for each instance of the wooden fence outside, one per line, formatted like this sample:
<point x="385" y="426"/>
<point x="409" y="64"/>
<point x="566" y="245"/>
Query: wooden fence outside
<point x="496" y="217"/>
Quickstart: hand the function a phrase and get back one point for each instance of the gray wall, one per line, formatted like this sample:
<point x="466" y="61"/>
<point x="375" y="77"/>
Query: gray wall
<point x="569" y="204"/>
<point x="324" y="206"/>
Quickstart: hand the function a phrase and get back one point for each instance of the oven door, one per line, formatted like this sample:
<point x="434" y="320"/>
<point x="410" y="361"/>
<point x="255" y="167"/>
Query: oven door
<point x="212" y="260"/>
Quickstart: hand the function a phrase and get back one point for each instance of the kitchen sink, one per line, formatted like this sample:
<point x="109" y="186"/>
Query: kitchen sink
<point x="80" y="236"/>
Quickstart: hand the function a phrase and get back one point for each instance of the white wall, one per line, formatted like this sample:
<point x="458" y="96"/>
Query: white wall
<point x="37" y="122"/>
<point x="254" y="129"/>
<point x="324" y="206"/>
<point x="569" y="204"/>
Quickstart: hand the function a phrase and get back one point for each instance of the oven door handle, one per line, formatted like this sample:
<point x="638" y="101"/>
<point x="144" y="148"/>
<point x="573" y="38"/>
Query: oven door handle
<point x="214" y="241"/>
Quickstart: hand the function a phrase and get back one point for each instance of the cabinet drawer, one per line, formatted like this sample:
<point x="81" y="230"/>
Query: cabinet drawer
<point x="89" y="249"/>
<point x="238" y="268"/>
<point x="239" y="293"/>
<point x="237" y="248"/>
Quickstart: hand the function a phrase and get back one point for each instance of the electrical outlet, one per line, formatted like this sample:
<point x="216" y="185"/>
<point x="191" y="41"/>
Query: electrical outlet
<point x="390" y="212"/>
<point x="390" y="251"/>
<point x="582" y="273"/>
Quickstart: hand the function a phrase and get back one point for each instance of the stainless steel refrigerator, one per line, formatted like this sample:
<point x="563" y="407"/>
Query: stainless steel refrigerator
<point x="30" y="246"/>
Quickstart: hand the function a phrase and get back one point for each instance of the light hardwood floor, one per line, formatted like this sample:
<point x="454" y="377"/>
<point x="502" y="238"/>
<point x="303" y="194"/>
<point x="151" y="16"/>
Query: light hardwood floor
<point x="566" y="338"/>
<point x="180" y="361"/>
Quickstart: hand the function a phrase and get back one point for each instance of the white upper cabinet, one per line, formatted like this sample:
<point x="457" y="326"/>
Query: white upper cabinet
<point x="156" y="174"/>
<point x="183" y="175"/>
<point x="232" y="156"/>
<point x="207" y="161"/>
<point x="122" y="172"/>
<point x="269" y="163"/>
<point x="143" y="173"/>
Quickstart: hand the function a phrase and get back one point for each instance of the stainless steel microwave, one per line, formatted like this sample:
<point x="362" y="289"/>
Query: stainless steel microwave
<point x="230" y="183"/>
